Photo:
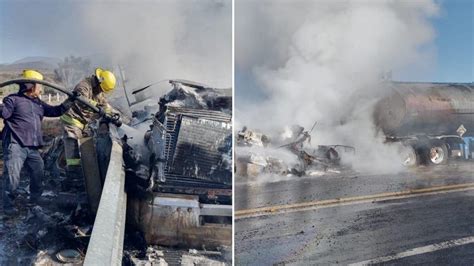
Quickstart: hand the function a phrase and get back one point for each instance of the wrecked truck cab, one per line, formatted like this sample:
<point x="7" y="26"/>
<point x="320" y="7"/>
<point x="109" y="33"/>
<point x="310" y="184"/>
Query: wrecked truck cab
<point x="290" y="152"/>
<point x="184" y="195"/>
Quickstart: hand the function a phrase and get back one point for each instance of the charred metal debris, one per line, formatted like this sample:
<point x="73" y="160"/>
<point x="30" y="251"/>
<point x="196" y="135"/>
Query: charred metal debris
<point x="179" y="178"/>
<point x="288" y="153"/>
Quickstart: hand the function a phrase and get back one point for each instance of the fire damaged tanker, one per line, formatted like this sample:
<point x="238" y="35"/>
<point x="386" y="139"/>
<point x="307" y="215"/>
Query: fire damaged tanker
<point x="433" y="121"/>
<point x="179" y="179"/>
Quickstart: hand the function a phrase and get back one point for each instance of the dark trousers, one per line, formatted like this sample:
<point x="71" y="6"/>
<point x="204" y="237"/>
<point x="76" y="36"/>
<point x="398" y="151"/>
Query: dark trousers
<point x="14" y="158"/>
<point x="72" y="153"/>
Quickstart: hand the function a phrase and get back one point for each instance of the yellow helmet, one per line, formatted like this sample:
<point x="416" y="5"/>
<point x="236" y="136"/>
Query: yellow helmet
<point x="32" y="74"/>
<point x="106" y="79"/>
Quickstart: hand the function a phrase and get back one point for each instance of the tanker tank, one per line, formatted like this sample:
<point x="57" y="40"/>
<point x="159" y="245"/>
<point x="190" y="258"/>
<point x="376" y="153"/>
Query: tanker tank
<point x="426" y="108"/>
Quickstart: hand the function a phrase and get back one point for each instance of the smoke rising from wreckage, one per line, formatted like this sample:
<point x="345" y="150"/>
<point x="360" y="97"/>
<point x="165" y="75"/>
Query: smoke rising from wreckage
<point x="425" y="123"/>
<point x="289" y="153"/>
<point x="323" y="61"/>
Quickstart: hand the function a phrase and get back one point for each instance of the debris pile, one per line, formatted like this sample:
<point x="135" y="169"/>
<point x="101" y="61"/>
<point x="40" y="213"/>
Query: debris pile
<point x="289" y="153"/>
<point x="158" y="255"/>
<point x="60" y="221"/>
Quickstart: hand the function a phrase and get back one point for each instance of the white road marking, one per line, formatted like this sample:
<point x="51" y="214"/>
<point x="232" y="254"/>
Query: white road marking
<point x="418" y="251"/>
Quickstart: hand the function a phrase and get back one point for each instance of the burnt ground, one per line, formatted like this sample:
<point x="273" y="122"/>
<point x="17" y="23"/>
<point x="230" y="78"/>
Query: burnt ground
<point x="352" y="233"/>
<point x="62" y="221"/>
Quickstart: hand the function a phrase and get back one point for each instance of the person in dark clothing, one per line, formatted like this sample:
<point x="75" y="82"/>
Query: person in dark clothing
<point x="22" y="137"/>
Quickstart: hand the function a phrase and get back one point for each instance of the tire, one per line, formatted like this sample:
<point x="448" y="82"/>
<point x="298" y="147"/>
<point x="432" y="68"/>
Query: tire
<point x="437" y="154"/>
<point x="333" y="156"/>
<point x="409" y="156"/>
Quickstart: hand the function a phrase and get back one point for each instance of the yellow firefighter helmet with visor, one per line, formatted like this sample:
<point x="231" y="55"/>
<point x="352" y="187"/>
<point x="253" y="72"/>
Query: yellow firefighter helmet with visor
<point x="32" y="74"/>
<point x="106" y="79"/>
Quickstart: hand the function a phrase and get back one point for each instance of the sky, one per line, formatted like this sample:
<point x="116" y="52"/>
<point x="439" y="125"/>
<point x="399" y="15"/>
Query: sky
<point x="453" y="44"/>
<point x="454" y="41"/>
<point x="152" y="39"/>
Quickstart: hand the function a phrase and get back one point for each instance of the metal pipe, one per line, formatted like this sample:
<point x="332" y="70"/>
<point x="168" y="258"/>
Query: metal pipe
<point x="106" y="243"/>
<point x="122" y="76"/>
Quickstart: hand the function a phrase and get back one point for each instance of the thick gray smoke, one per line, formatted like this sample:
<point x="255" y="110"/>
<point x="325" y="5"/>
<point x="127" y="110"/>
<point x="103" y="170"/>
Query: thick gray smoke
<point x="153" y="40"/>
<point x="322" y="61"/>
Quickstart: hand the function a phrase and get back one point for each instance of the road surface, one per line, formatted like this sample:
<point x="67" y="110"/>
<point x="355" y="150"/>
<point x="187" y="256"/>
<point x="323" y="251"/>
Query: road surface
<point x="424" y="215"/>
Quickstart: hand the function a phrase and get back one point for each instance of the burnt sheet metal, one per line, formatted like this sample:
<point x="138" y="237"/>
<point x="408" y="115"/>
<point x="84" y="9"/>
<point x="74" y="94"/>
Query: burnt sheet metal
<point x="156" y="144"/>
<point x="198" y="145"/>
<point x="172" y="219"/>
<point x="106" y="243"/>
<point x="250" y="138"/>
<point x="190" y="94"/>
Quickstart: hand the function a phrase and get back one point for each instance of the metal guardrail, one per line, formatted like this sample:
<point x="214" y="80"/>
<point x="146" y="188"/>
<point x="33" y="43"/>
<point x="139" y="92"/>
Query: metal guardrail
<point x="106" y="242"/>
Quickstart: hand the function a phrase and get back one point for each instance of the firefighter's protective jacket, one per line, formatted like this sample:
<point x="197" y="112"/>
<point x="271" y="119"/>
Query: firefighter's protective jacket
<point x="79" y="115"/>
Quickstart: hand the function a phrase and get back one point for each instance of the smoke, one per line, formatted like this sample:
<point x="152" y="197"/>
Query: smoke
<point x="322" y="61"/>
<point x="153" y="40"/>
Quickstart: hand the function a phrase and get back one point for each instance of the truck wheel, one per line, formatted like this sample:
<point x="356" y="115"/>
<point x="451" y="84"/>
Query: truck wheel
<point x="438" y="154"/>
<point x="408" y="156"/>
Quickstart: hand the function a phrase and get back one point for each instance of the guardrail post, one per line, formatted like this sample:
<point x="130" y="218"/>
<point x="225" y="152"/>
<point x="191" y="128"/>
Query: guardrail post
<point x="106" y="242"/>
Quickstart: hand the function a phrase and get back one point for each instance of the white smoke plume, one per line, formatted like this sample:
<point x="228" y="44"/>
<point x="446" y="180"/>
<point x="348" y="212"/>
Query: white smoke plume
<point x="154" y="40"/>
<point x="322" y="61"/>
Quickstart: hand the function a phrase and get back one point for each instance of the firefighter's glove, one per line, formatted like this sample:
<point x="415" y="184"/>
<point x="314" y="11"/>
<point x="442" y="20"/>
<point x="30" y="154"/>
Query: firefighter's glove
<point x="114" y="119"/>
<point x="102" y="112"/>
<point x="74" y="95"/>
<point x="70" y="100"/>
<point x="117" y="120"/>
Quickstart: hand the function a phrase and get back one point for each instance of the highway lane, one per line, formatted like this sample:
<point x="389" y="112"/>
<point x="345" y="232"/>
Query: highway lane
<point x="276" y="190"/>
<point x="358" y="231"/>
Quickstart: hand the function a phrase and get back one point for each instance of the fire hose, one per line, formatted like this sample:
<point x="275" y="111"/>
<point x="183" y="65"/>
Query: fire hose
<point x="112" y="118"/>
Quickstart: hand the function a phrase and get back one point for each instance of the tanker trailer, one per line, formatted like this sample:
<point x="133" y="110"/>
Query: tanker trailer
<point x="432" y="121"/>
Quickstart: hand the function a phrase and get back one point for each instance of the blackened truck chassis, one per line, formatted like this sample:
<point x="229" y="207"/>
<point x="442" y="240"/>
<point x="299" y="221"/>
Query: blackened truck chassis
<point x="426" y="149"/>
<point x="432" y="121"/>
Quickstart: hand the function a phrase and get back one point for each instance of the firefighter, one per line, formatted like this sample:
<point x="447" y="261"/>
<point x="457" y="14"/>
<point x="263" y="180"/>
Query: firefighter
<point x="22" y="137"/>
<point x="79" y="116"/>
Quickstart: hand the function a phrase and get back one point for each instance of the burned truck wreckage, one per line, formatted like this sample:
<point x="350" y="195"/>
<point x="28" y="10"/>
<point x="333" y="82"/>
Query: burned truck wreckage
<point x="180" y="187"/>
<point x="289" y="153"/>
<point x="166" y="174"/>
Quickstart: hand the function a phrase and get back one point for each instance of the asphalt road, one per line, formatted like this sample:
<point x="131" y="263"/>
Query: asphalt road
<point x="424" y="215"/>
